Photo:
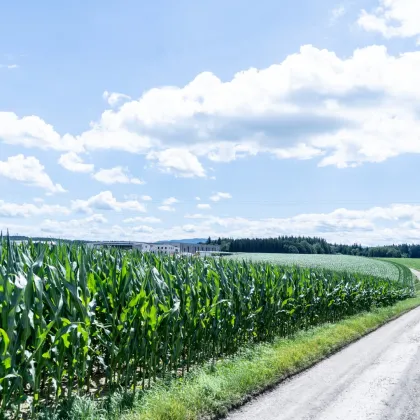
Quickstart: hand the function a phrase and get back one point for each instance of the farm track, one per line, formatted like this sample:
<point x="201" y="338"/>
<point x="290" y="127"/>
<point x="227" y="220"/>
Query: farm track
<point x="415" y="272"/>
<point x="375" y="378"/>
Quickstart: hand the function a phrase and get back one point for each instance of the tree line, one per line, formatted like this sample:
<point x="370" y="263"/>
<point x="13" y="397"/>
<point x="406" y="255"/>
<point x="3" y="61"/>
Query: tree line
<point x="313" y="245"/>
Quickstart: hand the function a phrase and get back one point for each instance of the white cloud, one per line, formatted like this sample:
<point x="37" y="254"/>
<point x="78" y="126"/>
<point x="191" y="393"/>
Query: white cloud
<point x="32" y="131"/>
<point x="180" y="162"/>
<point x="167" y="204"/>
<point x="376" y="225"/>
<point x="204" y="206"/>
<point x="30" y="210"/>
<point x="198" y="198"/>
<point x="166" y="208"/>
<point x="114" y="98"/>
<point x="74" y="163"/>
<point x="117" y="175"/>
<point x="312" y="105"/>
<point x="371" y="226"/>
<point x="30" y="171"/>
<point x="170" y="200"/>
<point x="142" y="220"/>
<point x="393" y="18"/>
<point x="189" y="228"/>
<point x="106" y="201"/>
<point x="197" y="216"/>
<point x="106" y="137"/>
<point x="75" y="228"/>
<point x="143" y="229"/>
<point x="137" y="197"/>
<point x="220" y="196"/>
<point x="337" y="13"/>
<point x="9" y="66"/>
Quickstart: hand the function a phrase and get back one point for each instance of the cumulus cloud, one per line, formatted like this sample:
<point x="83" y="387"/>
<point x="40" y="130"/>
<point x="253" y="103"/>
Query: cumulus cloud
<point x="117" y="175"/>
<point x="106" y="201"/>
<point x="87" y="227"/>
<point x="142" y="229"/>
<point x="337" y="13"/>
<point x="29" y="210"/>
<point x="203" y="206"/>
<point x="114" y="98"/>
<point x="29" y="171"/>
<point x="167" y="204"/>
<point x="180" y="162"/>
<point x="376" y="225"/>
<point x="220" y="196"/>
<point x="341" y="111"/>
<point x="393" y="18"/>
<point x="74" y="163"/>
<point x="197" y="216"/>
<point x="137" y="197"/>
<point x="32" y="131"/>
<point x="166" y="208"/>
<point x="371" y="226"/>
<point x="142" y="220"/>
<point x="170" y="200"/>
<point x="314" y="104"/>
<point x="107" y="137"/>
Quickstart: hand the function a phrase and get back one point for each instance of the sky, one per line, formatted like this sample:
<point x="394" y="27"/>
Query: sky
<point x="146" y="121"/>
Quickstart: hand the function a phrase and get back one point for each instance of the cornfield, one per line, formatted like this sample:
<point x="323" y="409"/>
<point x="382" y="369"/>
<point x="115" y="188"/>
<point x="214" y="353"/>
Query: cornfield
<point x="75" y="320"/>
<point x="355" y="264"/>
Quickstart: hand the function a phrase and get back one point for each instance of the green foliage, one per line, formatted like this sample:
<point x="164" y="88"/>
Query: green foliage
<point x="315" y="245"/>
<point x="210" y="391"/>
<point x="408" y="262"/>
<point x="77" y="320"/>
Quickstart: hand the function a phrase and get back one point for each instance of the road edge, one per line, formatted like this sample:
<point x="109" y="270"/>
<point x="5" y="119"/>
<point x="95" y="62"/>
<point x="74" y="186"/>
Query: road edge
<point x="302" y="370"/>
<point x="212" y="393"/>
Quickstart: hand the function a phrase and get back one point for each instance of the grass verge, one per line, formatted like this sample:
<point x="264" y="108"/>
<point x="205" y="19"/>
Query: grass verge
<point x="408" y="262"/>
<point x="211" y="391"/>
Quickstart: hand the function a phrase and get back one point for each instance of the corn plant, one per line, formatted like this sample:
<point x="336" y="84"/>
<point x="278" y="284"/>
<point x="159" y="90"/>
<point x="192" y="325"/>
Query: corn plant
<point x="76" y="320"/>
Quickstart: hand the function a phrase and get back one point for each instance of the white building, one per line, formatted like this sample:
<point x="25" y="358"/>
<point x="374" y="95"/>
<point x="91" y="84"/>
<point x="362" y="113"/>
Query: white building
<point x="142" y="246"/>
<point x="164" y="249"/>
<point x="161" y="248"/>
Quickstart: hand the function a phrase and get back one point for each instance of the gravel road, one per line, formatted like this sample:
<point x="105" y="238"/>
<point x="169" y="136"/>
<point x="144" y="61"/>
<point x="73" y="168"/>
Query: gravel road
<point x="415" y="272"/>
<point x="376" y="378"/>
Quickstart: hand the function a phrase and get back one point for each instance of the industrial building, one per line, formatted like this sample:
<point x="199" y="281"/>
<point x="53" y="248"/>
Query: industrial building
<point x="160" y="248"/>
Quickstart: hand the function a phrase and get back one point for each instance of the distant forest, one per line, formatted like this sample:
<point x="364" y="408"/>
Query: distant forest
<point x="313" y="245"/>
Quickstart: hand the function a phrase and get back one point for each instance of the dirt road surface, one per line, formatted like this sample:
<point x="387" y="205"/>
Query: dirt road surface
<point x="375" y="378"/>
<point x="415" y="272"/>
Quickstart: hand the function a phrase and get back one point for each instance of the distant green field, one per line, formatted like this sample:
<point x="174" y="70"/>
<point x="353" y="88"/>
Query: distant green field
<point x="349" y="263"/>
<point x="408" y="262"/>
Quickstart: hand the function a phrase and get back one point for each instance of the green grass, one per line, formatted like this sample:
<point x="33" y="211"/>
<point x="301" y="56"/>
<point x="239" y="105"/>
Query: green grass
<point x="209" y="392"/>
<point x="408" y="262"/>
<point x="413" y="263"/>
<point x="362" y="265"/>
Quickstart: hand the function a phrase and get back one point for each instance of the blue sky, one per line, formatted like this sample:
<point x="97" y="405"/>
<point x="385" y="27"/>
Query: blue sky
<point x="156" y="120"/>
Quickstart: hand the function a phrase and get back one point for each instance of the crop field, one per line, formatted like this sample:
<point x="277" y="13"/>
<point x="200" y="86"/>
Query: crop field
<point x="408" y="262"/>
<point x="349" y="263"/>
<point x="75" y="320"/>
